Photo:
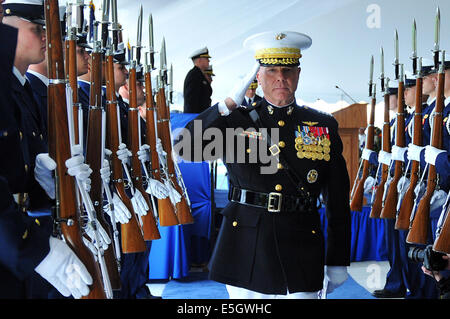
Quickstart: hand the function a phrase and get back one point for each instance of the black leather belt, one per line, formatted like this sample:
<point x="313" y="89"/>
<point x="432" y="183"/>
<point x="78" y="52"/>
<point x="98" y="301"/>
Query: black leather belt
<point x="273" y="202"/>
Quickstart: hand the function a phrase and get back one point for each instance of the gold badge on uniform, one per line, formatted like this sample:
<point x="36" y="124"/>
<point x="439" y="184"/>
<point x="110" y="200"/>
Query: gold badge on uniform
<point x="312" y="142"/>
<point x="312" y="176"/>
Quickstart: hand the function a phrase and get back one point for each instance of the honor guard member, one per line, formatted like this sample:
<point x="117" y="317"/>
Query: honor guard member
<point x="270" y="242"/>
<point x="197" y="90"/>
<point x="30" y="248"/>
<point x="250" y="94"/>
<point x="209" y="74"/>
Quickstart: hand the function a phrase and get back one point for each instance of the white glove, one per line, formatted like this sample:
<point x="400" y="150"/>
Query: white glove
<point x="121" y="212"/>
<point x="101" y="232"/>
<point x="384" y="158"/>
<point x="336" y="276"/>
<point x="105" y="172"/>
<point x="402" y="186"/>
<point x="159" y="148"/>
<point x="368" y="184"/>
<point x="43" y="173"/>
<point x="139" y="204"/>
<point x="419" y="190"/>
<point x="64" y="270"/>
<point x="91" y="247"/>
<point x="123" y="153"/>
<point x="414" y="152"/>
<point x="369" y="155"/>
<point x="143" y="153"/>
<point x="157" y="189"/>
<point x="398" y="153"/>
<point x="174" y="196"/>
<point x="438" y="199"/>
<point x="238" y="92"/>
<point x="77" y="168"/>
<point x="431" y="153"/>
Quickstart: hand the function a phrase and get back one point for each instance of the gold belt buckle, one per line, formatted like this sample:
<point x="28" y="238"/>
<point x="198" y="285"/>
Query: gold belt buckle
<point x="274" y="202"/>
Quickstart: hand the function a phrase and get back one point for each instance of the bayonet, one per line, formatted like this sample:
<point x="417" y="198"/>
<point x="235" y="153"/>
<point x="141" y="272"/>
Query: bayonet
<point x="414" y="47"/>
<point x="80" y="15"/>
<point x="437" y="32"/>
<point x="382" y="70"/>
<point x="171" y="84"/>
<point x="396" y="61"/>
<point x="151" y="43"/>
<point x="105" y="22"/>
<point x="163" y="62"/>
<point x="371" y="76"/>
<point x="115" y="27"/>
<point x="139" y="38"/>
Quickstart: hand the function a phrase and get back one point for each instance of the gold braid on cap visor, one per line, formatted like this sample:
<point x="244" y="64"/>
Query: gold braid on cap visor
<point x="283" y="56"/>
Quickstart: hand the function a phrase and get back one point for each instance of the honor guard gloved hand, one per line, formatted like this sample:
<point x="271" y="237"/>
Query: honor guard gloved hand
<point x="159" y="148"/>
<point x="399" y="153"/>
<point x="78" y="169"/>
<point x="123" y="153"/>
<point x="438" y="199"/>
<point x="103" y="237"/>
<point x="419" y="190"/>
<point x="384" y="157"/>
<point x="174" y="196"/>
<point x="369" y="183"/>
<point x="156" y="188"/>
<point x="336" y="276"/>
<point x="370" y="156"/>
<point x="236" y="96"/>
<point x="414" y="152"/>
<point x="139" y="204"/>
<point x="402" y="185"/>
<point x="431" y="153"/>
<point x="64" y="270"/>
<point x="121" y="212"/>
<point x="105" y="172"/>
<point x="143" y="153"/>
<point x="43" y="173"/>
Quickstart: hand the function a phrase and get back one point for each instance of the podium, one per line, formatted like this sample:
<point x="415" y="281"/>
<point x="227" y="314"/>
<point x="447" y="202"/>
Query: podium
<point x="350" y="119"/>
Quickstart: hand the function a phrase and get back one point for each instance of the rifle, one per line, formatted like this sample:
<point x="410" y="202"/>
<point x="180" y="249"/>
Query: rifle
<point x="419" y="225"/>
<point x="67" y="209"/>
<point x="131" y="234"/>
<point x="182" y="208"/>
<point x="167" y="216"/>
<point x="149" y="226"/>
<point x="357" y="198"/>
<point x="94" y="155"/>
<point x="378" y="192"/>
<point x="442" y="241"/>
<point x="407" y="203"/>
<point x="390" y="203"/>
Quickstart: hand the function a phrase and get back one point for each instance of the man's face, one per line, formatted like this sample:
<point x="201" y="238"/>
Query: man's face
<point x="393" y="102"/>
<point x="31" y="42"/>
<point x="82" y="61"/>
<point x="250" y="93"/>
<point x="278" y="83"/>
<point x="140" y="94"/>
<point x="410" y="96"/>
<point x="428" y="85"/>
<point x="120" y="74"/>
<point x="203" y="63"/>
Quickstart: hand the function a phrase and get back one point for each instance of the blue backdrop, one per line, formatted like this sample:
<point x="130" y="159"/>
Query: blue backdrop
<point x="181" y="245"/>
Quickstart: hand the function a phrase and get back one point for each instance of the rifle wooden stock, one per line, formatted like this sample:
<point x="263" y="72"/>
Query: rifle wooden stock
<point x="418" y="231"/>
<point x="442" y="241"/>
<point x="59" y="149"/>
<point x="356" y="202"/>
<point x="377" y="204"/>
<point x="149" y="226"/>
<point x="94" y="160"/>
<point x="389" y="209"/>
<point x="407" y="205"/>
<point x="132" y="239"/>
<point x="166" y="210"/>
<point x="182" y="208"/>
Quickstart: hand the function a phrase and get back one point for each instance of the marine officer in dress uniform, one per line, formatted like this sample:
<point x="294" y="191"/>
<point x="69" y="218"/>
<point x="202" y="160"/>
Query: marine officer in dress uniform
<point x="197" y="90"/>
<point x="270" y="243"/>
<point x="29" y="246"/>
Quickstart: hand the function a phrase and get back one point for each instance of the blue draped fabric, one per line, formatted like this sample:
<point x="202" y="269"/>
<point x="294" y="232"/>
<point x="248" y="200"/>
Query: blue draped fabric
<point x="181" y="245"/>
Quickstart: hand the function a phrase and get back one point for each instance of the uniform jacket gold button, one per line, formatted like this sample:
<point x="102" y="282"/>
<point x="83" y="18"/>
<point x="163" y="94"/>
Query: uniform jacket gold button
<point x="235" y="223"/>
<point x="20" y="135"/>
<point x="26" y="168"/>
<point x="281" y="144"/>
<point x="279" y="166"/>
<point x="281" y="123"/>
<point x="278" y="187"/>
<point x="5" y="133"/>
<point x="248" y="150"/>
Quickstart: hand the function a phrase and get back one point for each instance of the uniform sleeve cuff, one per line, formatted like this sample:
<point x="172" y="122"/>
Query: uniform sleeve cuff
<point x="223" y="110"/>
